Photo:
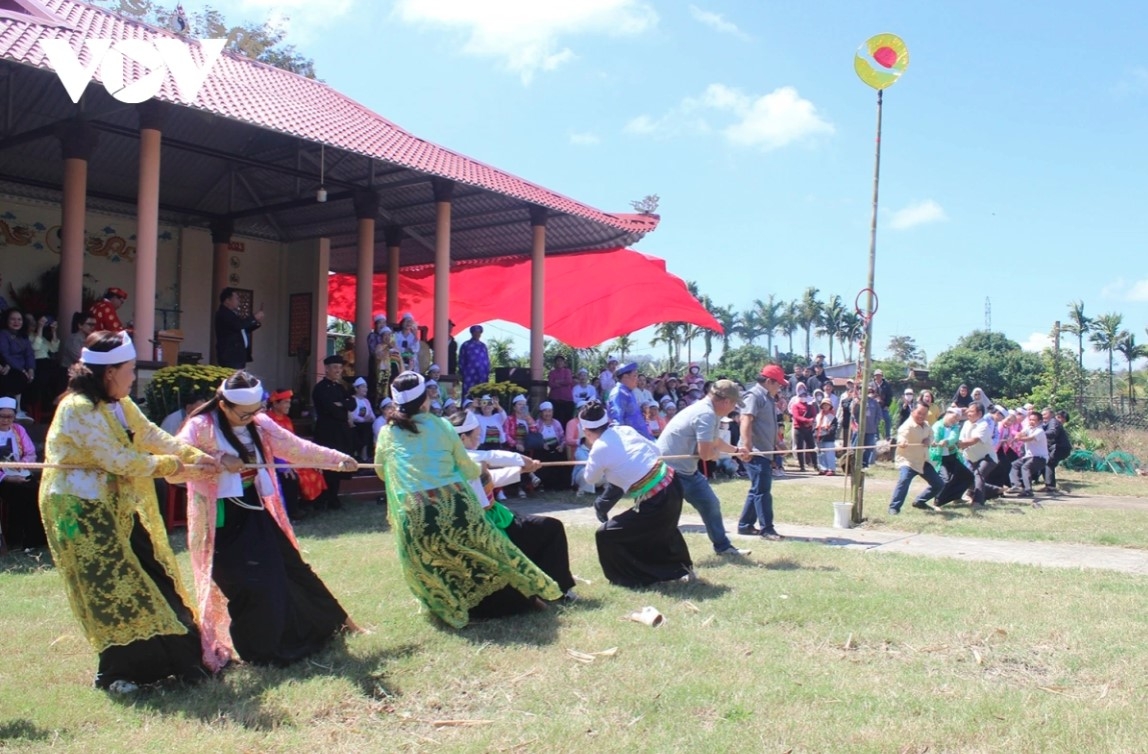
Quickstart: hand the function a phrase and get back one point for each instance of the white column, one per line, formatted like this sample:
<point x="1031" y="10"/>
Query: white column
<point x="537" y="292"/>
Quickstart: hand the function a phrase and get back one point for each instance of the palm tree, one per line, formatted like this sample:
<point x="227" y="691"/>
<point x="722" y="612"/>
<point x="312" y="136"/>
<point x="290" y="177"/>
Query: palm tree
<point x="730" y="322"/>
<point x="790" y="321"/>
<point x="810" y="309"/>
<point x="667" y="333"/>
<point x="623" y="344"/>
<point x="500" y="353"/>
<point x="768" y="316"/>
<point x="831" y="322"/>
<point x="1105" y="336"/>
<point x="851" y="329"/>
<point x="1131" y="351"/>
<point x="1080" y="326"/>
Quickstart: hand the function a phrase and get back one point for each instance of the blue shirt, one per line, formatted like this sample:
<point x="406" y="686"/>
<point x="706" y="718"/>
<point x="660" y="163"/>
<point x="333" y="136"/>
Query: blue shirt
<point x="624" y="410"/>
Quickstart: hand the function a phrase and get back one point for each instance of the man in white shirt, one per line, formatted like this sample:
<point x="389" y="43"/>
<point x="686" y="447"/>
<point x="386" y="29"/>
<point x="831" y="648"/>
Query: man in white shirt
<point x="977" y="443"/>
<point x="606" y="380"/>
<point x="1034" y="459"/>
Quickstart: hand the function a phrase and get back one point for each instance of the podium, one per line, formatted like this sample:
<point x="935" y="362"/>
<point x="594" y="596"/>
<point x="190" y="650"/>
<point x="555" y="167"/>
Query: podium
<point x="169" y="341"/>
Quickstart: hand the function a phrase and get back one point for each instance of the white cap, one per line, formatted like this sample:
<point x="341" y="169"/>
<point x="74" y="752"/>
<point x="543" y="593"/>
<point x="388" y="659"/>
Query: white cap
<point x="518" y="399"/>
<point x="545" y="406"/>
<point x="8" y="403"/>
<point x="359" y="381"/>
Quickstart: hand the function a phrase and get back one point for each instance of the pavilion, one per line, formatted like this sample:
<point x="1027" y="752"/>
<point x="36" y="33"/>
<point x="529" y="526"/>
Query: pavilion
<point x="263" y="180"/>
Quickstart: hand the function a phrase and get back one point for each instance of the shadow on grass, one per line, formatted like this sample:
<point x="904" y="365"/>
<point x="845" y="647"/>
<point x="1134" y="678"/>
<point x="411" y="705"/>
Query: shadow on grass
<point x="535" y="628"/>
<point x="696" y="591"/>
<point x="239" y="695"/>
<point x="22" y="730"/>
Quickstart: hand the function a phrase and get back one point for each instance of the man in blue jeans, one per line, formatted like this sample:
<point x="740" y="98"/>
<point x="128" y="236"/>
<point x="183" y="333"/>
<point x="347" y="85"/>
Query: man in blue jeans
<point x="759" y="432"/>
<point x="914" y="438"/>
<point x="694" y="431"/>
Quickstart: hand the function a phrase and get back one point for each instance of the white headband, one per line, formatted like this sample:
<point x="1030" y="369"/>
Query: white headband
<point x="243" y="396"/>
<point x="594" y="423"/>
<point x="469" y="425"/>
<point x="125" y="351"/>
<point x="403" y="397"/>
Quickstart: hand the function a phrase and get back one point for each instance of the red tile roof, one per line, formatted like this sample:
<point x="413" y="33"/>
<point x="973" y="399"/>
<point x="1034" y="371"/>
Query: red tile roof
<point x="243" y="90"/>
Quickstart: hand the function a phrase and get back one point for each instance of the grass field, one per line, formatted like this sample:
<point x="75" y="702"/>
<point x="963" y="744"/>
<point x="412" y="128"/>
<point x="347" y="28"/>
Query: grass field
<point x="799" y="647"/>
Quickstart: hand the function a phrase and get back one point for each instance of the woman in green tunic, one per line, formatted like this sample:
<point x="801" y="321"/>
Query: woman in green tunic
<point x="450" y="554"/>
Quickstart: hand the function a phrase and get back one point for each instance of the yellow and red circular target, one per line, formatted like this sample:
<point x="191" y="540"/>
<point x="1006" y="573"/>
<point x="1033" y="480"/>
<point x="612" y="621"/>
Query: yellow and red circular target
<point x="881" y="60"/>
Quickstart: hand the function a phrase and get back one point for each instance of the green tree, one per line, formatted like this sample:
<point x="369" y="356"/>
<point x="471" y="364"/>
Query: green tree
<point x="988" y="360"/>
<point x="667" y="334"/>
<point x="1079" y="325"/>
<point x="832" y="320"/>
<point x="500" y="351"/>
<point x="730" y="322"/>
<point x="904" y="349"/>
<point x="623" y="344"/>
<point x="1131" y="351"/>
<point x="790" y="321"/>
<point x="768" y="315"/>
<point x="263" y="42"/>
<point x="810" y="312"/>
<point x="742" y="364"/>
<point x="1105" y="336"/>
<point x="851" y="331"/>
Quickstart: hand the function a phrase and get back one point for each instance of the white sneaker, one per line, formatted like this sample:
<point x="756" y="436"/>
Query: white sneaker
<point x="535" y="480"/>
<point x="122" y="688"/>
<point x="571" y="595"/>
<point x="22" y="417"/>
<point x="735" y="551"/>
<point x="500" y="496"/>
<point x="522" y="493"/>
<point x="690" y="577"/>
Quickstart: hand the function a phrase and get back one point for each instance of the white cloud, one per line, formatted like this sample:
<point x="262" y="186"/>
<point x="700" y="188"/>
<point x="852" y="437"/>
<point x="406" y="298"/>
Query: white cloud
<point x="1121" y="290"/>
<point x="585" y="139"/>
<point x="918" y="213"/>
<point x="299" y="18"/>
<point x="1037" y="342"/>
<point x="716" y="21"/>
<point x="527" y="36"/>
<point x="766" y="122"/>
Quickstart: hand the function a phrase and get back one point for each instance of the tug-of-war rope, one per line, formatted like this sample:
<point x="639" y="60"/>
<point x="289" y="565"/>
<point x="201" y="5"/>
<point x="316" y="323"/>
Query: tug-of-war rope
<point x="6" y="465"/>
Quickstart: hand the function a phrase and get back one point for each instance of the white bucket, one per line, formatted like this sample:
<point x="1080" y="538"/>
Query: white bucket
<point x="843" y="515"/>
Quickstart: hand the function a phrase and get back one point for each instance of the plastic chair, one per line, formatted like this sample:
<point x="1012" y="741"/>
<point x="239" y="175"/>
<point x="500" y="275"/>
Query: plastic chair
<point x="175" y="506"/>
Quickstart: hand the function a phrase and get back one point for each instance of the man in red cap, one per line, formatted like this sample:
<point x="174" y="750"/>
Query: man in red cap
<point x="104" y="310"/>
<point x="759" y="432"/>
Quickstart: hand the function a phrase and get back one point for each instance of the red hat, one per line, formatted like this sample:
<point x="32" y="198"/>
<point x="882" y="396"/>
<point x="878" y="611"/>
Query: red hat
<point x="117" y="292"/>
<point x="280" y="395"/>
<point x="773" y="372"/>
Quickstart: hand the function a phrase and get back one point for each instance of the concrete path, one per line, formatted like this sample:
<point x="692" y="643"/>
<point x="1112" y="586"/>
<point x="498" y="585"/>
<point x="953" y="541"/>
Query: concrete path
<point x="1053" y="555"/>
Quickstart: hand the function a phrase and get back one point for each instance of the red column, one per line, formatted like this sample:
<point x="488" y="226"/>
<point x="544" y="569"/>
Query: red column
<point x="366" y="210"/>
<point x="151" y="115"/>
<point x="78" y="140"/>
<point x="442" y="196"/>
<point x="394" y="243"/>
<point x="537" y="290"/>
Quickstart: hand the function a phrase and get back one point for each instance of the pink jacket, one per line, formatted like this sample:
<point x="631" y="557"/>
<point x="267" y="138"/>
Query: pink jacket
<point x="201" y="502"/>
<point x="26" y="453"/>
<point x="511" y="428"/>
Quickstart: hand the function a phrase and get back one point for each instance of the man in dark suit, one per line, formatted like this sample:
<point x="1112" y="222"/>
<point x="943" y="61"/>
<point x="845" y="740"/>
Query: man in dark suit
<point x="233" y="331"/>
<point x="333" y="406"/>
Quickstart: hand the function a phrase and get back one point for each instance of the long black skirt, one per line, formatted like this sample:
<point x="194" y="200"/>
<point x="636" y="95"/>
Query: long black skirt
<point x="158" y="657"/>
<point x="280" y="610"/>
<point x="643" y="545"/>
<point x="543" y="540"/>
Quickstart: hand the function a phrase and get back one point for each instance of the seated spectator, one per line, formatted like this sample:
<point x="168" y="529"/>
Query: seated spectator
<point x="583" y="390"/>
<point x="45" y="345"/>
<point x="491" y="422"/>
<point x="385" y="411"/>
<point x="362" y="418"/>
<point x="653" y="418"/>
<point x="83" y="325"/>
<point x="301" y="486"/>
<point x="573" y="433"/>
<point x="553" y="448"/>
<point x="521" y="432"/>
<point x="19" y="488"/>
<point x="17" y="362"/>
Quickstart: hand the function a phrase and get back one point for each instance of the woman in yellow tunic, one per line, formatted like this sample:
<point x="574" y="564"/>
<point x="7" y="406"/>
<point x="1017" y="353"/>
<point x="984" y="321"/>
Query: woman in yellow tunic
<point x="103" y="524"/>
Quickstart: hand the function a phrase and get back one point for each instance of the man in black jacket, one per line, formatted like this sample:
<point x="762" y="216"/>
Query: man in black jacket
<point x="1059" y="446"/>
<point x="233" y="331"/>
<point x="333" y="406"/>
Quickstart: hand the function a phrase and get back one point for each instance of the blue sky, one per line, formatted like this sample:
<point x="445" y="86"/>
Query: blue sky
<point x="1013" y="150"/>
